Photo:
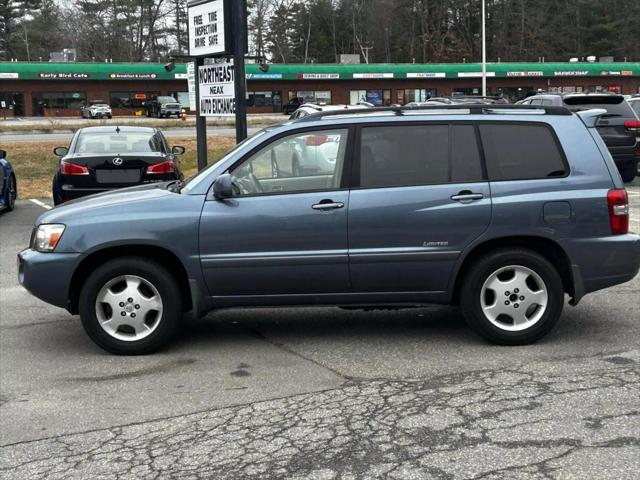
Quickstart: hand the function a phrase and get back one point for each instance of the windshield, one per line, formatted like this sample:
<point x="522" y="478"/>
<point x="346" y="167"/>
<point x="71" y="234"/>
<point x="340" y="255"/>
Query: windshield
<point x="99" y="105"/>
<point x="191" y="183"/>
<point x="117" y="143"/>
<point x="167" y="99"/>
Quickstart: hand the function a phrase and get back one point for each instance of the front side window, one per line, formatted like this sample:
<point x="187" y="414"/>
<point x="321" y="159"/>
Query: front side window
<point x="309" y="161"/>
<point x="394" y="156"/>
<point x="521" y="152"/>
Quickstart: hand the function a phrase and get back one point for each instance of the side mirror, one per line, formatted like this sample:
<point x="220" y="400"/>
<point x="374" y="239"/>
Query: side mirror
<point x="3" y="154"/>
<point x="177" y="150"/>
<point x="60" y="151"/>
<point x="223" y="187"/>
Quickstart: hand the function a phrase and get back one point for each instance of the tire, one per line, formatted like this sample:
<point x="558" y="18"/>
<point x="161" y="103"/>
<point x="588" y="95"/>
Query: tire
<point x="162" y="322"/>
<point x="628" y="174"/>
<point x="537" y="314"/>
<point x="12" y="193"/>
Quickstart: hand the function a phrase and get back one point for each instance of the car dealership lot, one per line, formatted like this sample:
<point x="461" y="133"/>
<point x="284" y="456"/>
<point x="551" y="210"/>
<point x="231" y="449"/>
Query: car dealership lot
<point x="318" y="393"/>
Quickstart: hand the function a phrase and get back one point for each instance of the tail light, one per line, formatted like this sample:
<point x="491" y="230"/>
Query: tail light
<point x="67" y="168"/>
<point x="161" y="168"/>
<point x="315" y="140"/>
<point x="618" y="211"/>
<point x="632" y="125"/>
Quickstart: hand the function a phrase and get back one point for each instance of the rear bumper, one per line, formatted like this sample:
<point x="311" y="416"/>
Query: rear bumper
<point x="47" y="275"/>
<point x="602" y="262"/>
<point x="71" y="192"/>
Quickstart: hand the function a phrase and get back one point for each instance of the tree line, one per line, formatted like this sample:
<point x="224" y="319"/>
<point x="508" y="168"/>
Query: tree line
<point x="318" y="31"/>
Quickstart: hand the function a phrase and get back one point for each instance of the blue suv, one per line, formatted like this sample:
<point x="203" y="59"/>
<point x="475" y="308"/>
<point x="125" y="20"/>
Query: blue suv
<point x="500" y="209"/>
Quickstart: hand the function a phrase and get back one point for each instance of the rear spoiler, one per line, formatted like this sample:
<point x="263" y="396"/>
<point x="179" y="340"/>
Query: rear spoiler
<point x="590" y="117"/>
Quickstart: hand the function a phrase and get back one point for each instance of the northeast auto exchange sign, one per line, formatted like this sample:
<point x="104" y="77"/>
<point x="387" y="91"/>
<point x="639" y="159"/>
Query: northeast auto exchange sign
<point x="217" y="90"/>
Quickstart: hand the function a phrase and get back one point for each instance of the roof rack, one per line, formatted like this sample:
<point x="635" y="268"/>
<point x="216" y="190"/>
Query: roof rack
<point x="474" y="109"/>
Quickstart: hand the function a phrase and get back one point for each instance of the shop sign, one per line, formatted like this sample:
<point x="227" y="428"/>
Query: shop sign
<point x="475" y="74"/>
<point x="318" y="76"/>
<point x="209" y="28"/>
<point x="426" y="75"/>
<point x="264" y="76"/>
<point x="536" y="73"/>
<point x="373" y="75"/>
<point x="571" y="73"/>
<point x="64" y="76"/>
<point x="4" y="75"/>
<point x="217" y="90"/>
<point x="133" y="76"/>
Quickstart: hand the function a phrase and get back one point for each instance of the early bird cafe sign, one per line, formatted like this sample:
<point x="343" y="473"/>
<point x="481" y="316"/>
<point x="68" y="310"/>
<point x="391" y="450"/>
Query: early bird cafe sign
<point x="217" y="90"/>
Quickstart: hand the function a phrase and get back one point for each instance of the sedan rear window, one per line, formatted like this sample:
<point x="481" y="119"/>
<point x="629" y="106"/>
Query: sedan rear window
<point x="117" y="143"/>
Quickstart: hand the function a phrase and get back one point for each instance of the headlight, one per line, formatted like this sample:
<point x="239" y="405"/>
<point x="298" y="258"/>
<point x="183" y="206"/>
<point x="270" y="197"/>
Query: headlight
<point x="47" y="237"/>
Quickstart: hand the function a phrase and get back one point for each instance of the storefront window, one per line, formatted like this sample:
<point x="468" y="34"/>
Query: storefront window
<point x="312" y="96"/>
<point x="375" y="97"/>
<point x="71" y="100"/>
<point x="566" y="89"/>
<point x="409" y="95"/>
<point x="181" y="97"/>
<point x="130" y="99"/>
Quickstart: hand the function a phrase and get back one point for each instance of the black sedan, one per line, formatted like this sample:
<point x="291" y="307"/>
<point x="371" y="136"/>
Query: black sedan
<point x="106" y="158"/>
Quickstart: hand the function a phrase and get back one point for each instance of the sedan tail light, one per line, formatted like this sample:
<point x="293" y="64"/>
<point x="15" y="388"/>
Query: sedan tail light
<point x="632" y="125"/>
<point x="618" y="211"/>
<point x="161" y="168"/>
<point x="67" y="168"/>
<point x="315" y="140"/>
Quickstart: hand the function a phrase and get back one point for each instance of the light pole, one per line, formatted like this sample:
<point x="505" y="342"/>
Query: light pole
<point x="484" y="52"/>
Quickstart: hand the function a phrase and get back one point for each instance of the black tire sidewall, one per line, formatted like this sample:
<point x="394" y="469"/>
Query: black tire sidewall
<point x="162" y="279"/>
<point x="11" y="197"/>
<point x="480" y="271"/>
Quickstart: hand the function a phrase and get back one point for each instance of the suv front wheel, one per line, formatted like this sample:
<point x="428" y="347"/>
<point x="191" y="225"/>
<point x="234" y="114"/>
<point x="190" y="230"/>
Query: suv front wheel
<point x="130" y="306"/>
<point x="512" y="296"/>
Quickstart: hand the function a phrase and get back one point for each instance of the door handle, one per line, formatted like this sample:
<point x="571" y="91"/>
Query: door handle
<point x="327" y="205"/>
<point x="467" y="197"/>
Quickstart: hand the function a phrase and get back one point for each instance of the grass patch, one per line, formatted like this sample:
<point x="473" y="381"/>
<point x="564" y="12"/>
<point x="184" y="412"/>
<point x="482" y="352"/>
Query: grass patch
<point x="35" y="164"/>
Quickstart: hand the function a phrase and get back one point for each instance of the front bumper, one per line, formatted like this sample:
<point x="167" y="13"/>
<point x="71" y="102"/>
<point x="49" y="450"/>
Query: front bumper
<point x="47" y="275"/>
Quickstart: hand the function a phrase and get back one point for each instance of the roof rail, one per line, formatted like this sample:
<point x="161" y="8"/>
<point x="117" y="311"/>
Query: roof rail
<point x="474" y="109"/>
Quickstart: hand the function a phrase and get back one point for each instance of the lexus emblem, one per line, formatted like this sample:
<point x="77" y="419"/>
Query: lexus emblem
<point x="117" y="161"/>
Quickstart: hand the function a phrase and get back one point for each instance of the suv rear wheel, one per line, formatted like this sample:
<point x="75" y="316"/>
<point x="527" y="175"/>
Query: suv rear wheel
<point x="512" y="296"/>
<point x="130" y="306"/>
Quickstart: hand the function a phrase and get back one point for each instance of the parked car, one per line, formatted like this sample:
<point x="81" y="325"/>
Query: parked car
<point x="107" y="158"/>
<point x="502" y="210"/>
<point x="8" y="184"/>
<point x="619" y="127"/>
<point x="635" y="104"/>
<point x="96" y="109"/>
<point x="163" y="106"/>
<point x="466" y="100"/>
<point x="292" y="105"/>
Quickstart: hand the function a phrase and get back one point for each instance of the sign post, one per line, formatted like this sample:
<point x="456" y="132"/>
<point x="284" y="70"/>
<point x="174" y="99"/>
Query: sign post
<point x="218" y="28"/>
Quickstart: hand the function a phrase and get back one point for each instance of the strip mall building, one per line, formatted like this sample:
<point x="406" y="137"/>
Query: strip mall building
<point x="59" y="89"/>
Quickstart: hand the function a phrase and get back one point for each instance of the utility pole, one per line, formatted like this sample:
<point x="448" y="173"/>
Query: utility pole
<point x="201" y="121"/>
<point x="484" y="51"/>
<point x="239" y="15"/>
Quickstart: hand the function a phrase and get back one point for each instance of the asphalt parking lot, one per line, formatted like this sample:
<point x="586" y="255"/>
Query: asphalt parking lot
<point x="311" y="393"/>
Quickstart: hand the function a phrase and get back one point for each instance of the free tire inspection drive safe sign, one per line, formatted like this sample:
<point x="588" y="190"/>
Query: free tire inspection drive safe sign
<point x="209" y="27"/>
<point x="217" y="90"/>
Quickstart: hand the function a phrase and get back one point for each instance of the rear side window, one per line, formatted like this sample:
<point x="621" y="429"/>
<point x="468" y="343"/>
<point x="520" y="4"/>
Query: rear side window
<point x="399" y="155"/>
<point x="521" y="152"/>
